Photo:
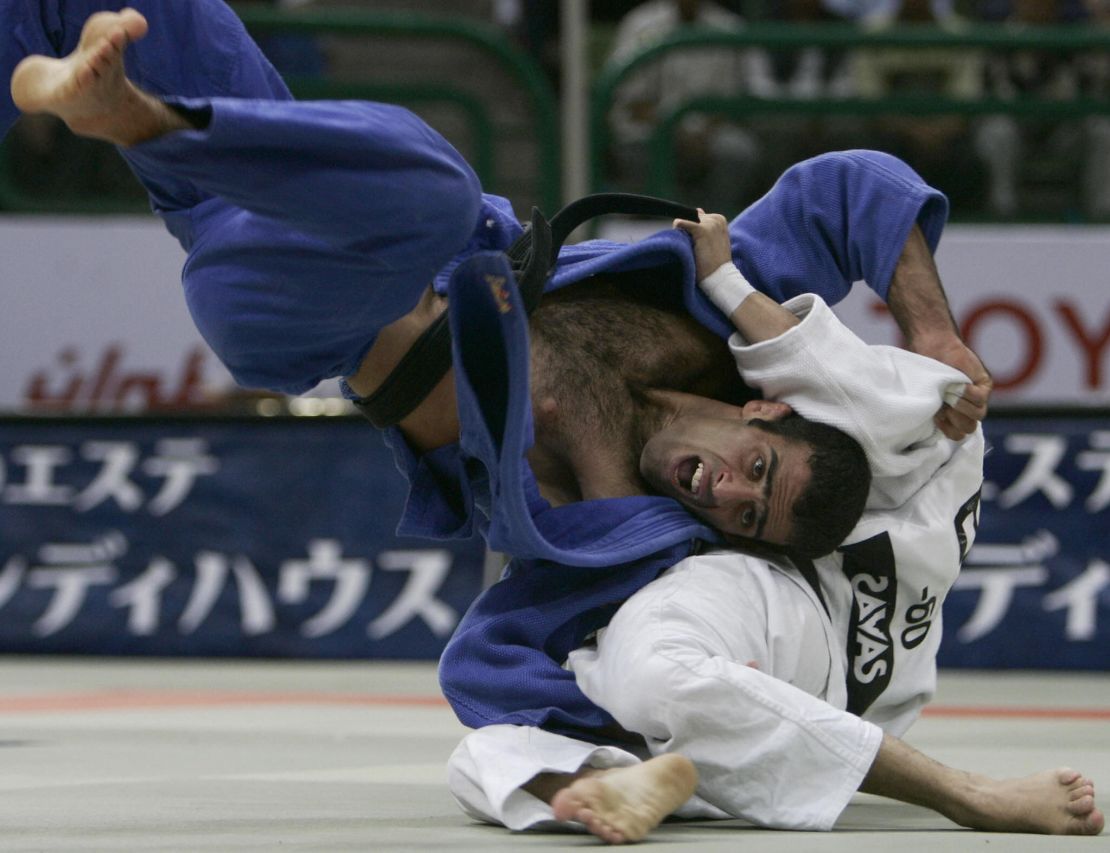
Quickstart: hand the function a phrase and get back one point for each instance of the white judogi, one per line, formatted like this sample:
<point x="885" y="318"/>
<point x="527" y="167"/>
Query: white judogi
<point x="736" y="662"/>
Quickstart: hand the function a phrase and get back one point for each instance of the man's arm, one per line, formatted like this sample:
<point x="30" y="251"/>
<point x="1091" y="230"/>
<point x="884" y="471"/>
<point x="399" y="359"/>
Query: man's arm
<point x="757" y="317"/>
<point x="800" y="354"/>
<point x="435" y="422"/>
<point x="917" y="302"/>
<point x="860" y="216"/>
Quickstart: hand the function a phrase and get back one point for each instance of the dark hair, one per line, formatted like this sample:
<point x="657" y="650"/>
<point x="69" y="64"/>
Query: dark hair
<point x="840" y="478"/>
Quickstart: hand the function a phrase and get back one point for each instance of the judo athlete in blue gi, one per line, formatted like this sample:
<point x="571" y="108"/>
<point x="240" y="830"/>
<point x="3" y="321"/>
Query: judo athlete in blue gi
<point x="313" y="230"/>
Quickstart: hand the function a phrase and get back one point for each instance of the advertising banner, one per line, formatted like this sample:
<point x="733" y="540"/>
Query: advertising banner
<point x="1032" y="301"/>
<point x="275" y="538"/>
<point x="94" y="319"/>
<point x="1034" y="591"/>
<point x="242" y="538"/>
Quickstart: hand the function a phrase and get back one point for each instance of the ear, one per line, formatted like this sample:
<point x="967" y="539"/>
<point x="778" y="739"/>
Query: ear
<point x="766" y="410"/>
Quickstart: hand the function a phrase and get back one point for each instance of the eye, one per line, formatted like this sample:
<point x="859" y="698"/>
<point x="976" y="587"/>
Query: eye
<point x="758" y="468"/>
<point x="747" y="517"/>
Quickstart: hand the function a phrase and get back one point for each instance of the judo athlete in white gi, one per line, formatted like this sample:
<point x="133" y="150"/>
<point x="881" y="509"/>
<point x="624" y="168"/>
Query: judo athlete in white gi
<point x="781" y="697"/>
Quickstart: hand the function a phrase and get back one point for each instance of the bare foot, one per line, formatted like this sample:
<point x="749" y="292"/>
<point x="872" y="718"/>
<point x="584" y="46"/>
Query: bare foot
<point x="88" y="89"/>
<point x="1055" y="802"/>
<point x="626" y="803"/>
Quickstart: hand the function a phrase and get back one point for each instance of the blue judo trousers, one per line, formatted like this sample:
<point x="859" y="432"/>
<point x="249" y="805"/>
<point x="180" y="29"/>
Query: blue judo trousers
<point x="311" y="226"/>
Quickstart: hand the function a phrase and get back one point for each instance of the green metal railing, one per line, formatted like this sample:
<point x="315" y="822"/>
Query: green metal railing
<point x="518" y="69"/>
<point x="836" y="36"/>
<point x="661" y="179"/>
<point x="522" y="72"/>
<point x="478" y="121"/>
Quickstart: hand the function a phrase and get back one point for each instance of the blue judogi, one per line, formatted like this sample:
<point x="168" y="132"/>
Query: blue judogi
<point x="310" y="226"/>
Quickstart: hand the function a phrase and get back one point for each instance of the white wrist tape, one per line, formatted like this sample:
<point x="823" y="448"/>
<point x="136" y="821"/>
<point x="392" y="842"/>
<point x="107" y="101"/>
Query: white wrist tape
<point x="726" y="287"/>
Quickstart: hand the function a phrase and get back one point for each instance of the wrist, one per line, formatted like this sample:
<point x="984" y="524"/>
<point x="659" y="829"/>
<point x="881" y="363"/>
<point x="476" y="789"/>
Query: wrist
<point x="726" y="288"/>
<point x="931" y="340"/>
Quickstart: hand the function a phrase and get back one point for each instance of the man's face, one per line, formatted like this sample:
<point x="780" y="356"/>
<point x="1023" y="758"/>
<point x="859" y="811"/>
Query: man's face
<point x="740" y="479"/>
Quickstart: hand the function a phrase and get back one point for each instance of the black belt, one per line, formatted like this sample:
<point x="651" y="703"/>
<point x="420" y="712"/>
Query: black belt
<point x="532" y="257"/>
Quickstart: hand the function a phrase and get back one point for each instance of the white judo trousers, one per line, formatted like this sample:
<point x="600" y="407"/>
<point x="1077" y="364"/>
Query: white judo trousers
<point x="715" y="707"/>
<point x="734" y="661"/>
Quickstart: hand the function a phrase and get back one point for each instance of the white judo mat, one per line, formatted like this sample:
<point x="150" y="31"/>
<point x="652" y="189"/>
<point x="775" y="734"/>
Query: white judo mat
<point x="184" y="756"/>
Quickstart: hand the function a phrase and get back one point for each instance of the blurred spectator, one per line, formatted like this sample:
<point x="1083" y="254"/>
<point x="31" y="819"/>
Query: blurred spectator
<point x="936" y="146"/>
<point x="715" y="159"/>
<point x="1007" y="146"/>
<point x="812" y="72"/>
<point x="1093" y="70"/>
<point x="534" y="25"/>
<point x="805" y="74"/>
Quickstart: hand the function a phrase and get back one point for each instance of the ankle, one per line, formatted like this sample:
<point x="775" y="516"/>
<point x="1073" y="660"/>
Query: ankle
<point x="143" y="117"/>
<point x="198" y="118"/>
<point x="974" y="801"/>
<point x="544" y="786"/>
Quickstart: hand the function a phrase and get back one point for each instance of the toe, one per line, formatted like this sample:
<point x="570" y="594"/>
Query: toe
<point x="84" y="77"/>
<point x="103" y="57"/>
<point x="1097" y="821"/>
<point x="1082" y="805"/>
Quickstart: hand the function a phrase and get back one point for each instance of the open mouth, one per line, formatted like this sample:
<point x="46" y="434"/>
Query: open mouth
<point x="688" y="475"/>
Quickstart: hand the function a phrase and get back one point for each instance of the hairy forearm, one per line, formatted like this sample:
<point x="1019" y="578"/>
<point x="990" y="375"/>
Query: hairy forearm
<point x="916" y="298"/>
<point x="918" y="304"/>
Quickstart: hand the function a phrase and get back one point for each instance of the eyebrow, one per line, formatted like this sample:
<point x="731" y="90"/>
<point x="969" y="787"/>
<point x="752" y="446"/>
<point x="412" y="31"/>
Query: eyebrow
<point x="767" y="485"/>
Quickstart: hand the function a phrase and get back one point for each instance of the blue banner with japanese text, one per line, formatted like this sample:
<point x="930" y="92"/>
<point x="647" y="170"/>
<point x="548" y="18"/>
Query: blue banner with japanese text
<point x="1034" y="591"/>
<point x="218" y="538"/>
<point x="276" y="538"/>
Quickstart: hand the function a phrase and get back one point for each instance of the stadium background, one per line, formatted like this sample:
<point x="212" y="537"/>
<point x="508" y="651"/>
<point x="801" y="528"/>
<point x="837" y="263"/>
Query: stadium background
<point x="147" y="507"/>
